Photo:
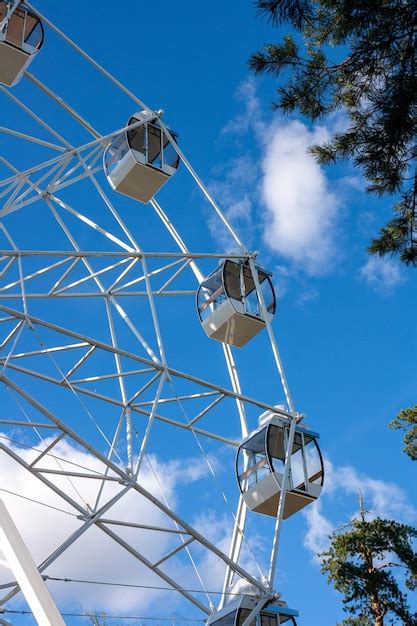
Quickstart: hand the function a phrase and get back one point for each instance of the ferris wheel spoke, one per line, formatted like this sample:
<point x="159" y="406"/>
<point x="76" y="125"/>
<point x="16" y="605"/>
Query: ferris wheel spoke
<point x="130" y="485"/>
<point x="235" y="546"/>
<point x="89" y="222"/>
<point x="183" y="536"/>
<point x="102" y="290"/>
<point x="120" y="379"/>
<point x="110" y="454"/>
<point x="122" y="275"/>
<point x="16" y="187"/>
<point x="176" y="236"/>
<point x="48" y="449"/>
<point x="64" y="285"/>
<point x="155" y="319"/>
<point x="240" y="517"/>
<point x="32" y="139"/>
<point x="88" y="58"/>
<point x="10" y="186"/>
<point x="113" y="401"/>
<point x="140" y="557"/>
<point x="206" y="410"/>
<point x="8" y="263"/>
<point x="155" y="272"/>
<point x="86" y="125"/>
<point x="149" y="425"/>
<point x="66" y="177"/>
<point x="28" y="277"/>
<point x="144" y="361"/>
<point x="274" y="345"/>
<point x="173" y="552"/>
<point x="132" y="400"/>
<point x="15" y="202"/>
<point x="35" y="117"/>
<point x="95" y="148"/>
<point x="134" y="330"/>
<point x="14" y="331"/>
<point x="205" y="191"/>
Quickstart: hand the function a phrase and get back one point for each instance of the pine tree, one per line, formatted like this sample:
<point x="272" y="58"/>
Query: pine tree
<point x="371" y="77"/>
<point x="365" y="562"/>
<point x="407" y="420"/>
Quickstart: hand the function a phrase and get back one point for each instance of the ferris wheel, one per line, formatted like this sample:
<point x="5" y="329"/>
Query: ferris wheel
<point x="126" y="344"/>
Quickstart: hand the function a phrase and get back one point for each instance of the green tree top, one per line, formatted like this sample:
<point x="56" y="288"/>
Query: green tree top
<point x="363" y="562"/>
<point x="373" y="80"/>
<point x="407" y="420"/>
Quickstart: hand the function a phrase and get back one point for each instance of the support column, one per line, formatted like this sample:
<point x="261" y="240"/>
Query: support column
<point x="31" y="583"/>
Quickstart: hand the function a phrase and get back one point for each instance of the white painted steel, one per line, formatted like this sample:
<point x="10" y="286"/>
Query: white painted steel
<point x="43" y="182"/>
<point x="26" y="573"/>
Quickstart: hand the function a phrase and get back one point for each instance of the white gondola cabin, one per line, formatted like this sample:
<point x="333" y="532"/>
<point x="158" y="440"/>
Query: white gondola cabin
<point x="228" y="303"/>
<point x="21" y="38"/>
<point x="139" y="161"/>
<point x="235" y="613"/>
<point x="260" y="467"/>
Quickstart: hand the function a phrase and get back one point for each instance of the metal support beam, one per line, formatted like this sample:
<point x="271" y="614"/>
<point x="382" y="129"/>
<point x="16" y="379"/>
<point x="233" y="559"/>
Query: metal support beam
<point x="26" y="573"/>
<point x="135" y="486"/>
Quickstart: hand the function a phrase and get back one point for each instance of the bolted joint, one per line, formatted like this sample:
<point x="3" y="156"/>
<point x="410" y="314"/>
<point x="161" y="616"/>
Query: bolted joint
<point x="298" y="416"/>
<point x="127" y="481"/>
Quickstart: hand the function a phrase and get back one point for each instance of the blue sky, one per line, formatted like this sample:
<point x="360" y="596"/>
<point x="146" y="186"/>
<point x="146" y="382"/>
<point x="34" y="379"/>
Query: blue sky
<point x="343" y="324"/>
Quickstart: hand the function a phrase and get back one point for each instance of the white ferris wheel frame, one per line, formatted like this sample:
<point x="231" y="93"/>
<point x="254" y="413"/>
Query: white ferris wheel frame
<point x="44" y="181"/>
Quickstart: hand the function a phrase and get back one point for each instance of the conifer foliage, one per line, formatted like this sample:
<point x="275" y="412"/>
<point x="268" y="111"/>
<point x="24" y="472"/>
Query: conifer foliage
<point x="372" y="562"/>
<point x="357" y="56"/>
<point x="407" y="420"/>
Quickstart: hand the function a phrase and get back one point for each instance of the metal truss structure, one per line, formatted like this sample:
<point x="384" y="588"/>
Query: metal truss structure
<point x="83" y="336"/>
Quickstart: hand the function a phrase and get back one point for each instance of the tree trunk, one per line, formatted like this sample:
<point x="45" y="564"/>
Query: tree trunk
<point x="376" y="610"/>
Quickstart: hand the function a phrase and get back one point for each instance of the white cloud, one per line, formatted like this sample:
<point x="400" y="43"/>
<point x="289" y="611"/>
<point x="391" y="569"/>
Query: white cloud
<point x="301" y="211"/>
<point x="382" y="499"/>
<point x="357" y="183"/>
<point x="319" y="528"/>
<point x="382" y="274"/>
<point x="252" y="115"/>
<point x="287" y="195"/>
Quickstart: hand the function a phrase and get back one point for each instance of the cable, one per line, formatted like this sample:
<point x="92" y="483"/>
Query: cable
<point x="192" y="561"/>
<point x="161" y="619"/>
<point x="54" y="456"/>
<point x="18" y="402"/>
<point x="49" y="506"/>
<point x="76" y="394"/>
<point x="71" y="482"/>
<point x="216" y="480"/>
<point x="129" y="585"/>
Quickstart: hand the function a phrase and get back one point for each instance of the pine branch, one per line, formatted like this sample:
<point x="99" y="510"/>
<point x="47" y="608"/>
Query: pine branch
<point x="375" y="85"/>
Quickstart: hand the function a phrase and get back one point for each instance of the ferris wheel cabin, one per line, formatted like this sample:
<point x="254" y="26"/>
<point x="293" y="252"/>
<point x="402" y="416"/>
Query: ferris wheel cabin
<point x="228" y="303"/>
<point x="235" y="613"/>
<point x="21" y="38"/>
<point x="260" y="467"/>
<point x="139" y="161"/>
